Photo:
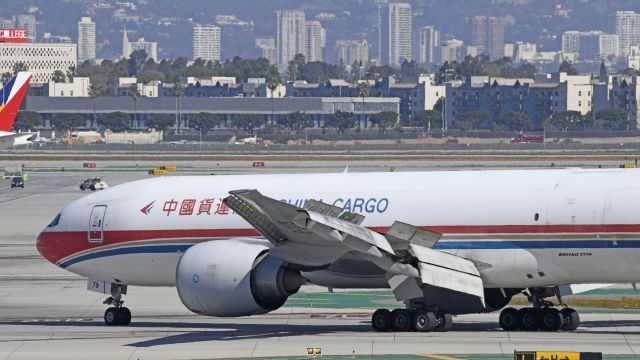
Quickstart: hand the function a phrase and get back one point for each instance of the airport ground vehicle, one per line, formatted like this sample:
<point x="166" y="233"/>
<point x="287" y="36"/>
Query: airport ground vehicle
<point x="464" y="246"/>
<point x="93" y="184"/>
<point x="17" y="181"/>
<point x="527" y="139"/>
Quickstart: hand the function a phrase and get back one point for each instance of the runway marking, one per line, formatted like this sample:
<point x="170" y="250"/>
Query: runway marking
<point x="439" y="357"/>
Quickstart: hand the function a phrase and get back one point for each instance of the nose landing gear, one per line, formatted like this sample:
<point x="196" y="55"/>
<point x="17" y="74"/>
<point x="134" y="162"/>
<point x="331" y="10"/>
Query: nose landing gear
<point x="117" y="314"/>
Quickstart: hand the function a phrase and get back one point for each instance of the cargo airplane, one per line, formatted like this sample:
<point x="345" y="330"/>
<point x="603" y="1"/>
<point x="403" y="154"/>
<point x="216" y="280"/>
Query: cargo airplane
<point x="12" y="95"/>
<point x="444" y="243"/>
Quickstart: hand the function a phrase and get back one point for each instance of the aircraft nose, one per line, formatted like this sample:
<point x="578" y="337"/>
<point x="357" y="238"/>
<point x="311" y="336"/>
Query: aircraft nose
<point x="45" y="243"/>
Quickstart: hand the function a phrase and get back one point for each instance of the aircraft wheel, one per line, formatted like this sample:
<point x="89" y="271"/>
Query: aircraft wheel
<point x="445" y="323"/>
<point x="124" y="316"/>
<point x="111" y="316"/>
<point x="509" y="319"/>
<point x="549" y="319"/>
<point x="424" y="321"/>
<point x="527" y="319"/>
<point x="401" y="320"/>
<point x="381" y="320"/>
<point x="571" y="319"/>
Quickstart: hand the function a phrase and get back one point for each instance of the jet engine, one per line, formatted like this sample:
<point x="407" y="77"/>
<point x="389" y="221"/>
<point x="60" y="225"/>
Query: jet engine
<point x="232" y="278"/>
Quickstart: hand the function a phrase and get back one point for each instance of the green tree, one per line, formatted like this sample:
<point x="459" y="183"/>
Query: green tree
<point x="567" y="120"/>
<point x="567" y="67"/>
<point x="71" y="73"/>
<point x="94" y="92"/>
<point x="363" y="92"/>
<point x="603" y="76"/>
<point x="471" y="120"/>
<point x="137" y="59"/>
<point x="247" y="122"/>
<point x="204" y="122"/>
<point x="19" y="66"/>
<point x="178" y="90"/>
<point x="115" y="121"/>
<point x="427" y="119"/>
<point x="27" y="120"/>
<point x="294" y="65"/>
<point x="384" y="120"/>
<point x="66" y="122"/>
<point x="295" y="121"/>
<point x="514" y="121"/>
<point x="160" y="122"/>
<point x="5" y="77"/>
<point x="58" y="77"/>
<point x="614" y="118"/>
<point x="272" y="85"/>
<point x="341" y="121"/>
<point x="134" y="92"/>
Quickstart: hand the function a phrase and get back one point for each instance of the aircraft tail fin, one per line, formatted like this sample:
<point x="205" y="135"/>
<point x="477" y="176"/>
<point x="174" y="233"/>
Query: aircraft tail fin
<point x="11" y="96"/>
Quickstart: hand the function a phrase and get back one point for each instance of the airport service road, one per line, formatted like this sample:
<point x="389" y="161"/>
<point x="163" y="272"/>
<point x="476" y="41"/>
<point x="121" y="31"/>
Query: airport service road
<point x="46" y="312"/>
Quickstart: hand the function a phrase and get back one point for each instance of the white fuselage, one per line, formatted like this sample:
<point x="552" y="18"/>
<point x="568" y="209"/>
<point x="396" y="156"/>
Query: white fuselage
<point x="522" y="228"/>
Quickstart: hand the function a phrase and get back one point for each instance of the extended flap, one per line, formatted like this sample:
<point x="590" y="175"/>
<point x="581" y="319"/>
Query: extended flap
<point x="448" y="271"/>
<point x="401" y="235"/>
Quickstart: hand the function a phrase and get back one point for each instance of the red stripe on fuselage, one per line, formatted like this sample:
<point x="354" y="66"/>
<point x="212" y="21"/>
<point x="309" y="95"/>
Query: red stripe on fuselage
<point x="56" y="245"/>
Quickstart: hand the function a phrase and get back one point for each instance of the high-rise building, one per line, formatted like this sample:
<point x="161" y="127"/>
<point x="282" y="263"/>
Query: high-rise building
<point x="429" y="45"/>
<point x="628" y="31"/>
<point x="150" y="47"/>
<point x="206" y="42"/>
<point x="452" y="50"/>
<point x="7" y="23"/>
<point x="487" y="34"/>
<point x="315" y="41"/>
<point x="525" y="51"/>
<point x="495" y="38"/>
<point x="290" y="37"/>
<point x="609" y="45"/>
<point x="28" y="22"/>
<point x="268" y="48"/>
<point x="350" y="51"/>
<point x="571" y="42"/>
<point x="394" y="33"/>
<point x="42" y="59"/>
<point x="86" y="40"/>
<point x="479" y="32"/>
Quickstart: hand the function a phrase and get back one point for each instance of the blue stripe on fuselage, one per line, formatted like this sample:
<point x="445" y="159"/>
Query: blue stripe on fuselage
<point x="441" y="245"/>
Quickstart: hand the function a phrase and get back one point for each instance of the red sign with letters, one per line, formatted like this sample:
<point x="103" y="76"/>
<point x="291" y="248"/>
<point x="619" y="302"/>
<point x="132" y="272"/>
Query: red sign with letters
<point x="13" y="35"/>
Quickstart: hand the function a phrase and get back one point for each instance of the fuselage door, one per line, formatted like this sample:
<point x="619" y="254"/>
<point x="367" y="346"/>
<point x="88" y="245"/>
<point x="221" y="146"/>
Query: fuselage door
<point x="96" y="223"/>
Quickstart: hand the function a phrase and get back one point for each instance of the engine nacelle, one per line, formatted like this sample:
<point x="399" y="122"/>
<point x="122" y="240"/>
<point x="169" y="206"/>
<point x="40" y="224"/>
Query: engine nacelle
<point x="230" y="278"/>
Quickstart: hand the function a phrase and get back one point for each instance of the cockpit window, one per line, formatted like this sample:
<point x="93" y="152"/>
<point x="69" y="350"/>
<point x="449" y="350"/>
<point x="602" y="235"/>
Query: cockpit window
<point x="55" y="221"/>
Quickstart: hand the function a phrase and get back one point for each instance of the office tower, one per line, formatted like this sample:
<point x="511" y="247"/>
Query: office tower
<point x="452" y="50"/>
<point x="206" y="42"/>
<point x="290" y="39"/>
<point x="609" y="45"/>
<point x="86" y="40"/>
<point x="628" y="31"/>
<point x="479" y="32"/>
<point x="28" y="22"/>
<point x="487" y="34"/>
<point x="495" y="38"/>
<point x="350" y="51"/>
<point x="394" y="33"/>
<point x="429" y="44"/>
<point x="268" y="49"/>
<point x="315" y="41"/>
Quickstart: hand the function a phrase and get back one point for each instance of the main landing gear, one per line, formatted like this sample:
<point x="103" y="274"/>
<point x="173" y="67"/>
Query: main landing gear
<point x="401" y="320"/>
<point x="117" y="314"/>
<point x="542" y="316"/>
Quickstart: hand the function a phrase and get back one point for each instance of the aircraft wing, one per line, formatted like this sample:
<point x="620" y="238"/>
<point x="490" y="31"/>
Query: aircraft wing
<point x="9" y="140"/>
<point x="319" y="234"/>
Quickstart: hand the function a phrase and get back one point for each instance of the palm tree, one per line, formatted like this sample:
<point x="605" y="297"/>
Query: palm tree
<point x="363" y="92"/>
<point x="178" y="90"/>
<point x="134" y="92"/>
<point x="272" y="85"/>
<point x="94" y="92"/>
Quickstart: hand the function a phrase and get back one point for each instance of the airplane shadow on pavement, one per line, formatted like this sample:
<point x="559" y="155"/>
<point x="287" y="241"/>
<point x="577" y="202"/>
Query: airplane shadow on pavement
<point x="193" y="332"/>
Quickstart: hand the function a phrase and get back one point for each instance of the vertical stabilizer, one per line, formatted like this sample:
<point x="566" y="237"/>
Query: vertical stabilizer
<point x="11" y="97"/>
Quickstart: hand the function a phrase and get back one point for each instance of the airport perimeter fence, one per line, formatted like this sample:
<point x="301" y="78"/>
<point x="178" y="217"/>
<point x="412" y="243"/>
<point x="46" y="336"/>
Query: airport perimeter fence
<point x="249" y="148"/>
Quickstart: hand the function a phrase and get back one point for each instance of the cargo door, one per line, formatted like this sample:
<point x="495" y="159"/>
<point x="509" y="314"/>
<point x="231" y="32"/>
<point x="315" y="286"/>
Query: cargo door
<point x="96" y="223"/>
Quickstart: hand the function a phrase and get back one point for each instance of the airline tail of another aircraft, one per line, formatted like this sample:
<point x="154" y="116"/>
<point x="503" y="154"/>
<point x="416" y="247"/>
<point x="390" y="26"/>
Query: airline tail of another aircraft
<point x="11" y="97"/>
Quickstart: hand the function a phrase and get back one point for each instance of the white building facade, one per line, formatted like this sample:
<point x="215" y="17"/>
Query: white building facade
<point x="86" y="40"/>
<point x="206" y="42"/>
<point x="42" y="59"/>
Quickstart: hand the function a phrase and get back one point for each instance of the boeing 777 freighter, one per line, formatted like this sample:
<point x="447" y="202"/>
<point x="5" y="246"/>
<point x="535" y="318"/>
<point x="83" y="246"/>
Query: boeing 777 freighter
<point x="445" y="243"/>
